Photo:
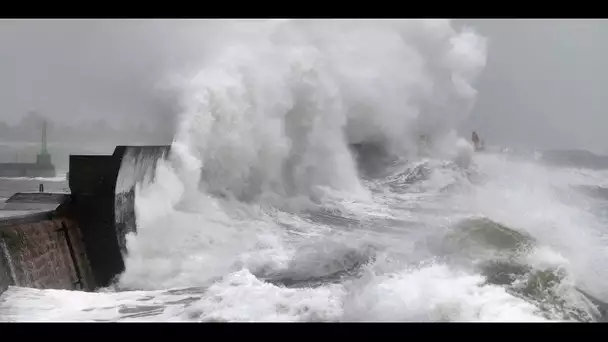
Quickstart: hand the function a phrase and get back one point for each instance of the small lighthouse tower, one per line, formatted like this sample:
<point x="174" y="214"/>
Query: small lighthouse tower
<point x="43" y="158"/>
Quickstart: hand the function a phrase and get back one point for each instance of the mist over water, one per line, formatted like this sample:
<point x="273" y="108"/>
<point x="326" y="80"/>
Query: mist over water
<point x="270" y="121"/>
<point x="315" y="175"/>
<point x="276" y="112"/>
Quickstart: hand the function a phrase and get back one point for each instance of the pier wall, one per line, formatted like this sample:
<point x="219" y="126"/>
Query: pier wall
<point x="42" y="251"/>
<point x="79" y="243"/>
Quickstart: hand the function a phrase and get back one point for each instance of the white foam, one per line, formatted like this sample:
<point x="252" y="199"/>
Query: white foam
<point x="242" y="297"/>
<point x="530" y="197"/>
<point x="436" y="293"/>
<point x="268" y="120"/>
<point x="265" y="125"/>
<point x="275" y="113"/>
<point x="433" y="293"/>
<point x="59" y="178"/>
<point x="32" y="305"/>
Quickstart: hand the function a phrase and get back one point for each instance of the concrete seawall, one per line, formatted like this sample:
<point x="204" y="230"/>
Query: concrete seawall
<point x="42" y="249"/>
<point x="74" y="241"/>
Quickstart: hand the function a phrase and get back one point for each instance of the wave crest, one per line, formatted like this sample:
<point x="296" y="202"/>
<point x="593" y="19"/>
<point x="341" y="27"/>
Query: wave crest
<point x="278" y="112"/>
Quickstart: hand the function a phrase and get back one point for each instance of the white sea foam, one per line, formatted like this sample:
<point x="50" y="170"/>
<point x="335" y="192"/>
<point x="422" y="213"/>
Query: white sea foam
<point x="261" y="206"/>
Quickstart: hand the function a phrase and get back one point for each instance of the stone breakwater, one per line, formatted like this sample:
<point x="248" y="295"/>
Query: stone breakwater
<point x="44" y="253"/>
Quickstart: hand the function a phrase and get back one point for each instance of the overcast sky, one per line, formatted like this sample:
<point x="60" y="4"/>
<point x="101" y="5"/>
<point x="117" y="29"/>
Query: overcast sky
<point x="67" y="69"/>
<point x="544" y="84"/>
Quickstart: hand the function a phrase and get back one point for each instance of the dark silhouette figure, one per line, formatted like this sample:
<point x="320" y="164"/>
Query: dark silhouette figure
<point x="477" y="141"/>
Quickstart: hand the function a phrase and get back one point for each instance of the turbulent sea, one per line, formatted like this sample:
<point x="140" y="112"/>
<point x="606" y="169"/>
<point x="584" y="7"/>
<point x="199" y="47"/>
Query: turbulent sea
<point x="315" y="175"/>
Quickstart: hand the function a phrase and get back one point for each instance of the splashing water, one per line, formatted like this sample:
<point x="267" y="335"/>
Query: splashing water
<point x="262" y="210"/>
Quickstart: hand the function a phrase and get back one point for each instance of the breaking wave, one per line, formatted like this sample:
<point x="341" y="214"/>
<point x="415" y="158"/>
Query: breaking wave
<point x="316" y="173"/>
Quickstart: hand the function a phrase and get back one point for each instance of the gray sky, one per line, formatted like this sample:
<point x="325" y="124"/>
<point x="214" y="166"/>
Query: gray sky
<point x="543" y="85"/>
<point x="67" y="69"/>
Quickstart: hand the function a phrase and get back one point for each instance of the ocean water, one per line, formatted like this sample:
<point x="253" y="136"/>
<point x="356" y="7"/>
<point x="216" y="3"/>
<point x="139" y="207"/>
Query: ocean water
<point x="10" y="186"/>
<point x="315" y="175"/>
